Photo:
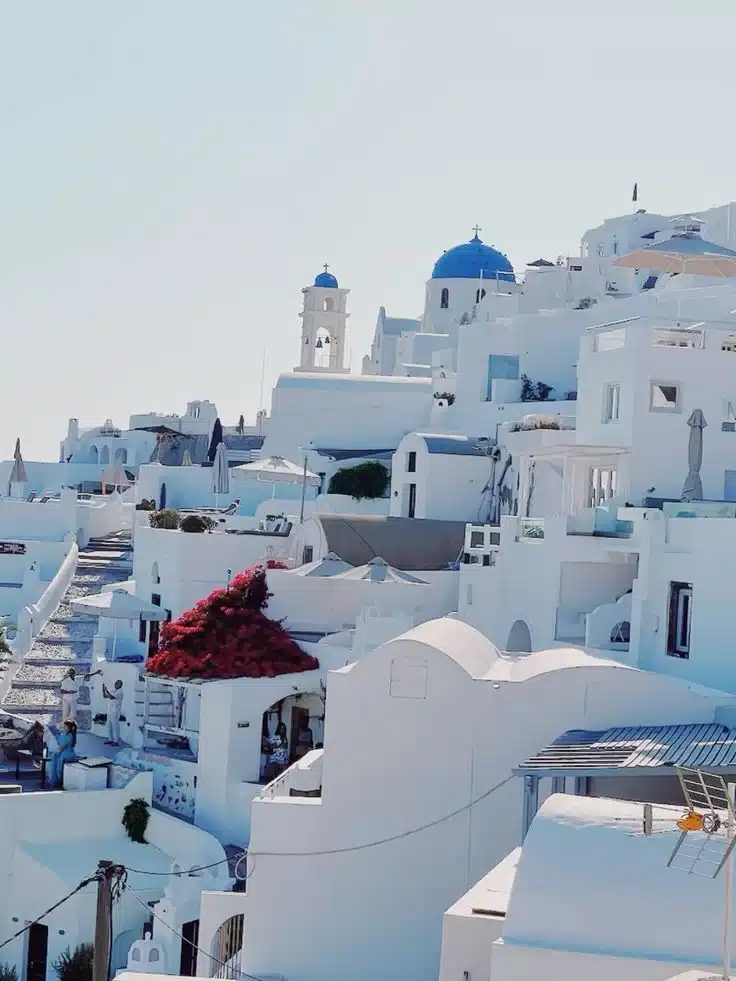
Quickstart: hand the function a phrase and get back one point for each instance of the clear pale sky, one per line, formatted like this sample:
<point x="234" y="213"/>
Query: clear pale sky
<point x="172" y="172"/>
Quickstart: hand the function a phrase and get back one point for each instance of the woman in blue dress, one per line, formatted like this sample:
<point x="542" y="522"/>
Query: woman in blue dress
<point x="66" y="753"/>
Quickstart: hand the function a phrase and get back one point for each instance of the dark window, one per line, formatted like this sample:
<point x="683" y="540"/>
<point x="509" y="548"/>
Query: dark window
<point x="142" y="631"/>
<point x="156" y="599"/>
<point x="679" y="619"/>
<point x="37" y="952"/>
<point x="412" y="499"/>
<point x="621" y="633"/>
<point x="411" y="463"/>
<point x="476" y="539"/>
<point x="445" y="298"/>
<point x="308" y="554"/>
<point x="479" y="294"/>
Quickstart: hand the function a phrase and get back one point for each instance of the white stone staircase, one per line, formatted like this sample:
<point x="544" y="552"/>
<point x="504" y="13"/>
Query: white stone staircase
<point x="66" y="640"/>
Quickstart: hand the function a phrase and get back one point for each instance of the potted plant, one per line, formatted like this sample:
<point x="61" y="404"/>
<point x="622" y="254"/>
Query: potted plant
<point x="75" y="965"/>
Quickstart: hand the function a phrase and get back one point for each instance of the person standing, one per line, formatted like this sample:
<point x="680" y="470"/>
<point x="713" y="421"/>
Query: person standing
<point x="114" y="706"/>
<point x="69" y="696"/>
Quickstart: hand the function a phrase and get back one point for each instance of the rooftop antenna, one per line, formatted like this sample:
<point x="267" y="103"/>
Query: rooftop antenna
<point x="707" y="838"/>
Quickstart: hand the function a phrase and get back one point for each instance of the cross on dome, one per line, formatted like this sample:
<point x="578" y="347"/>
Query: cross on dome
<point x="326" y="267"/>
<point x="476" y="229"/>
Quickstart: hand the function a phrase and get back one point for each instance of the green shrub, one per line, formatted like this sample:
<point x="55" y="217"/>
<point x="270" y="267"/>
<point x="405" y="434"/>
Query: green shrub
<point x="8" y="972"/>
<point x="135" y="820"/>
<point x="75" y="966"/>
<point x="197" y="523"/>
<point x="366" y="480"/>
<point x="168" y="519"/>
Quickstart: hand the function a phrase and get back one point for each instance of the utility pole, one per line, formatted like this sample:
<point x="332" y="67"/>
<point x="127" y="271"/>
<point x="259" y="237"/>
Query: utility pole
<point x="103" y="921"/>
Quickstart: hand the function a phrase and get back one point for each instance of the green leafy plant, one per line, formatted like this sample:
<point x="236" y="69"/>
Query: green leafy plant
<point x="167" y="519"/>
<point x="146" y="504"/>
<point x="76" y="965"/>
<point x="8" y="972"/>
<point x="445" y="397"/>
<point x="366" y="480"/>
<point x="197" y="523"/>
<point x="135" y="820"/>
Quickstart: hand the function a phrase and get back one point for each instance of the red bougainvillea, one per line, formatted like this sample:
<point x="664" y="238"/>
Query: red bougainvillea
<point x="227" y="635"/>
<point x="276" y="564"/>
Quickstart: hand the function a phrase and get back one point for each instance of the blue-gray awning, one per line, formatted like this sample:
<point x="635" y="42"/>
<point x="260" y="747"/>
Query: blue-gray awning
<point x="581" y="753"/>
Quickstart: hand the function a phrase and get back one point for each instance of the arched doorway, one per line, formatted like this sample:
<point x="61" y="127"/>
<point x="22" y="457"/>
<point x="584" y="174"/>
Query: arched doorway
<point x="104" y="455"/>
<point x="94" y="455"/>
<point x="121" y="456"/>
<point x="520" y="638"/>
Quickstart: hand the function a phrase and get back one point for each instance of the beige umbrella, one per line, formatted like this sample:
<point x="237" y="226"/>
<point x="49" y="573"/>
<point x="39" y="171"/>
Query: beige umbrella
<point x="693" y="488"/>
<point x="186" y="460"/>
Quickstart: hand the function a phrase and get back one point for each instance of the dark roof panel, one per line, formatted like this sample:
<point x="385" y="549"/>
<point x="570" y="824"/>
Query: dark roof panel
<point x="410" y="544"/>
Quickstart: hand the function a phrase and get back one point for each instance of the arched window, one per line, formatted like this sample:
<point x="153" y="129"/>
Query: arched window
<point x="621" y="633"/>
<point x="153" y="955"/>
<point x="104" y="455"/>
<point x="329" y="303"/>
<point x="479" y="294"/>
<point x="94" y="454"/>
<point x="155" y="577"/>
<point x="135" y="954"/>
<point x="121" y="455"/>
<point x="445" y="298"/>
<point x="228" y="939"/>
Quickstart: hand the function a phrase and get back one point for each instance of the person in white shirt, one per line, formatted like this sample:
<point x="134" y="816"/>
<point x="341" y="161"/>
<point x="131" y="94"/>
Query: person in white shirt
<point x="69" y="696"/>
<point x="114" y="705"/>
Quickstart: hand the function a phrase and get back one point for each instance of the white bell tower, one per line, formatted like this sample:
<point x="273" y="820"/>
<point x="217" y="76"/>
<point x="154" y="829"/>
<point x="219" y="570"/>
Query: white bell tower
<point x="324" y="319"/>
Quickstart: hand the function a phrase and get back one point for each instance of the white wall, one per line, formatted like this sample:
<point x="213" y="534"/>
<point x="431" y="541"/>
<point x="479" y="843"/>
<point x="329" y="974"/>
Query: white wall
<point x="377" y="910"/>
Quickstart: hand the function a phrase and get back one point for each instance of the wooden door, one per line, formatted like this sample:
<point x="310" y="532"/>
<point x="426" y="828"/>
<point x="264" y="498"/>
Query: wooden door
<point x="38" y="948"/>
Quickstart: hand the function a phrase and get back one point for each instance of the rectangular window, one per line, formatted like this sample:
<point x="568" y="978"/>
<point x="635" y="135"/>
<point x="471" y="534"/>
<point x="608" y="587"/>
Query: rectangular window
<point x="476" y="539"/>
<point x="611" y="400"/>
<point x="411" y="463"/>
<point x="307" y="554"/>
<point x="664" y="397"/>
<point x="602" y="485"/>
<point x="503" y="366"/>
<point x="679" y="619"/>
<point x="142" y="632"/>
<point x="412" y="500"/>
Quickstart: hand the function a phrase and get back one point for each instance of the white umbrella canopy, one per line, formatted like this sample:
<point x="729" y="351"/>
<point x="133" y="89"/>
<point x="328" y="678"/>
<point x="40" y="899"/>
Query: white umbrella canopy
<point x="277" y="470"/>
<point x="330" y="565"/>
<point x="119" y="604"/>
<point x="378" y="570"/>
<point x="115" y="476"/>
<point x="18" y="474"/>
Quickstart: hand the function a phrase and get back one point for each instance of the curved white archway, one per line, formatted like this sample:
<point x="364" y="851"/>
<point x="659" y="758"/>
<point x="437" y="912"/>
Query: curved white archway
<point x="520" y="638"/>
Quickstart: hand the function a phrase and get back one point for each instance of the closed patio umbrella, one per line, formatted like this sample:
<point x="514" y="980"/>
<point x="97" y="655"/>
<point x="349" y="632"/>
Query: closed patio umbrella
<point x="18" y="474"/>
<point x="693" y="487"/>
<point x="186" y="460"/>
<point x="220" y="473"/>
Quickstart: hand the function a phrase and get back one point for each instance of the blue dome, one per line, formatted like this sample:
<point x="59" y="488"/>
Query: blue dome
<point x="466" y="261"/>
<point x="326" y="279"/>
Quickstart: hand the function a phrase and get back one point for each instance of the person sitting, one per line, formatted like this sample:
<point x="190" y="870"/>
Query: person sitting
<point x="33" y="740"/>
<point x="66" y="740"/>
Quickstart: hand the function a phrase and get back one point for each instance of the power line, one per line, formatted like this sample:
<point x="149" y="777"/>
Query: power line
<point x="200" y="950"/>
<point x="194" y="871"/>
<point x="390" y="838"/>
<point x="82" y="885"/>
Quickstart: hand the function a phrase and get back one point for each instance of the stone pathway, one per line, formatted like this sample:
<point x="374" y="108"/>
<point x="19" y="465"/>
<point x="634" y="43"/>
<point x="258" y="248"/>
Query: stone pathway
<point x="66" y="640"/>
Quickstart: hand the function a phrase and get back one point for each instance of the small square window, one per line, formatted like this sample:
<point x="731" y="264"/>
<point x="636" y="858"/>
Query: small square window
<point x="476" y="539"/>
<point x="611" y="402"/>
<point x="664" y="397"/>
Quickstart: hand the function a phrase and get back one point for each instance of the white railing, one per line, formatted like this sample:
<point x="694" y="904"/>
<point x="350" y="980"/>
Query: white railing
<point x="304" y="776"/>
<point x="32" y="619"/>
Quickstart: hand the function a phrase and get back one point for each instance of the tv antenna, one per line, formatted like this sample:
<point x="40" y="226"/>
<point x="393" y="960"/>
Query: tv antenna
<point x="707" y="838"/>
